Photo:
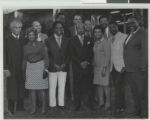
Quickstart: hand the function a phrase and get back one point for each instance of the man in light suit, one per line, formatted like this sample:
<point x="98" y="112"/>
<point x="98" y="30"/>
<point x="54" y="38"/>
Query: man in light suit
<point x="117" y="65"/>
<point x="136" y="62"/>
<point x="104" y="22"/>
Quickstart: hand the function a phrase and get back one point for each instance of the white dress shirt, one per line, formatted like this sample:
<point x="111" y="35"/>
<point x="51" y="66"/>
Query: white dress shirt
<point x="131" y="35"/>
<point x="81" y="38"/>
<point x="16" y="36"/>
<point x="58" y="39"/>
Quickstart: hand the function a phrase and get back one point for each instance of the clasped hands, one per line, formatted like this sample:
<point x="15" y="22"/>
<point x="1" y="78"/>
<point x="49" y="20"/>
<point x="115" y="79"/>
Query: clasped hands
<point x="59" y="67"/>
<point x="84" y="64"/>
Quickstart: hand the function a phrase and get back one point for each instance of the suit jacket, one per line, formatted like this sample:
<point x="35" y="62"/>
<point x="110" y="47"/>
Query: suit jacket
<point x="136" y="52"/>
<point x="117" y="45"/>
<point x="81" y="53"/>
<point x="57" y="55"/>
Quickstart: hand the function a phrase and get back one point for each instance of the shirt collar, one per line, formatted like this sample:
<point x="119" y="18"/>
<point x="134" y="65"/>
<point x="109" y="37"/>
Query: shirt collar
<point x="57" y="37"/>
<point x="136" y="30"/>
<point x="80" y="36"/>
<point x="15" y="36"/>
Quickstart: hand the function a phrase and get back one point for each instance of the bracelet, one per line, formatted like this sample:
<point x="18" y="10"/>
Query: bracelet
<point x="46" y="70"/>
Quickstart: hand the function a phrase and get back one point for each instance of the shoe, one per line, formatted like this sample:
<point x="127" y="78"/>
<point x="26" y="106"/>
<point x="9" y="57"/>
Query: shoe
<point x="91" y="107"/>
<point x="8" y="113"/>
<point x="53" y="109"/>
<point x="119" y="110"/>
<point x="20" y="109"/>
<point x="33" y="112"/>
<point x="108" y="110"/>
<point x="63" y="109"/>
<point x="77" y="108"/>
<point x="101" y="106"/>
<point x="43" y="112"/>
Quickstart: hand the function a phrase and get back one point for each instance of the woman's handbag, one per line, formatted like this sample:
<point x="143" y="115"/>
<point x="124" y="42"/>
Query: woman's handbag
<point x="45" y="74"/>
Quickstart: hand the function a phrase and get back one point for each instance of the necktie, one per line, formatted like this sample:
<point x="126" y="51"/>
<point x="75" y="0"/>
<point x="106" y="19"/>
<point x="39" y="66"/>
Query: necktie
<point x="59" y="41"/>
<point x="127" y="40"/>
<point x="17" y="37"/>
<point x="82" y="40"/>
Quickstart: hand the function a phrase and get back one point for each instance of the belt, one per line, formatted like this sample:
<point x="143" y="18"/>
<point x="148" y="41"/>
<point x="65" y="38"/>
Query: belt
<point x="30" y="61"/>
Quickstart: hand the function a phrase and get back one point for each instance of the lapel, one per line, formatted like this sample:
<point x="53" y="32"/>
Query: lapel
<point x="78" y="42"/>
<point x="55" y="42"/>
<point x="63" y="42"/>
<point x="132" y="37"/>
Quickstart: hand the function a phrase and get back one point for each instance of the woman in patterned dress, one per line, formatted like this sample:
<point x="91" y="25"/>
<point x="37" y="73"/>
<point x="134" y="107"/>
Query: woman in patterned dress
<point x="35" y="64"/>
<point x="101" y="63"/>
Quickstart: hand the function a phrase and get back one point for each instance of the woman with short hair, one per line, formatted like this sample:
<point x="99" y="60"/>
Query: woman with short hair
<point x="101" y="64"/>
<point x="35" y="65"/>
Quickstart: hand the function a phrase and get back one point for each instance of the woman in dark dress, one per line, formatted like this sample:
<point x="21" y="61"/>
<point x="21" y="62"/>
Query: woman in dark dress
<point x="34" y="64"/>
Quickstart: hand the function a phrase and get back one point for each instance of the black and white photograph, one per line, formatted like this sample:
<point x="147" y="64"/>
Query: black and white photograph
<point x="84" y="63"/>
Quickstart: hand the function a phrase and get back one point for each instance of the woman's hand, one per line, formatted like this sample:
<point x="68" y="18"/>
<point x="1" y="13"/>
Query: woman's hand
<point x="103" y="71"/>
<point x="58" y="68"/>
<point x="7" y="73"/>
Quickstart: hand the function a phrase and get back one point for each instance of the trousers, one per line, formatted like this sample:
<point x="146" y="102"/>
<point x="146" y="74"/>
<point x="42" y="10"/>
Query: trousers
<point x="119" y="84"/>
<point x="137" y="83"/>
<point x="57" y="78"/>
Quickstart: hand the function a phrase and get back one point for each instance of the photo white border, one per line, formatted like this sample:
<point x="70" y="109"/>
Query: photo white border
<point x="47" y="4"/>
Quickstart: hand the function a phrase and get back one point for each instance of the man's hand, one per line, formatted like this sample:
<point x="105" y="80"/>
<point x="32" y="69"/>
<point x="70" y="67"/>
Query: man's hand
<point x="58" y="68"/>
<point x="84" y="64"/>
<point x="63" y="66"/>
<point x="7" y="73"/>
<point x="123" y="70"/>
<point x="103" y="72"/>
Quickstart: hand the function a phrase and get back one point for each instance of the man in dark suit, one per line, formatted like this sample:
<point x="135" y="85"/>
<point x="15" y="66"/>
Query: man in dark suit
<point x="81" y="54"/>
<point x="13" y="58"/>
<point x="77" y="18"/>
<point x="136" y="61"/>
<point x="58" y="51"/>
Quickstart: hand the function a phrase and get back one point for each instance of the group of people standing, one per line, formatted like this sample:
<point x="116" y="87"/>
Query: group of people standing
<point x="88" y="57"/>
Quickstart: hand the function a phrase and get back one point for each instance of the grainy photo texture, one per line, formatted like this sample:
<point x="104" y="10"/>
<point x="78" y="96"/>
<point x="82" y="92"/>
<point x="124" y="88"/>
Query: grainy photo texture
<point x="75" y="63"/>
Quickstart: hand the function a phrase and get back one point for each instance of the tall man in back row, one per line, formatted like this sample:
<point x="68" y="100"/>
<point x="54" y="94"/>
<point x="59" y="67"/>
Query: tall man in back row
<point x="136" y="62"/>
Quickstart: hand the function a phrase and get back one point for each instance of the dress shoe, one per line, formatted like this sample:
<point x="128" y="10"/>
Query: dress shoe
<point x="77" y="108"/>
<point x="91" y="107"/>
<point x="20" y="108"/>
<point x="119" y="110"/>
<point x="33" y="112"/>
<point x="43" y="112"/>
<point x="53" y="109"/>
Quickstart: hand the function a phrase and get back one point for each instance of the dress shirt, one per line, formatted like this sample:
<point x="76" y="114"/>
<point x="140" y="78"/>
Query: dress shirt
<point x="131" y="35"/>
<point x="107" y="32"/>
<point x="15" y="36"/>
<point x="81" y="38"/>
<point x="58" y="39"/>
